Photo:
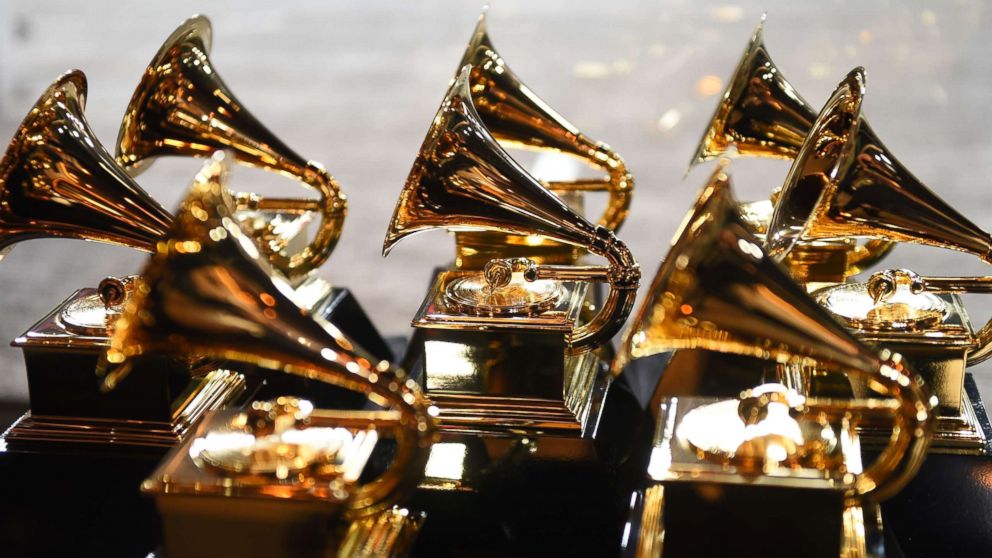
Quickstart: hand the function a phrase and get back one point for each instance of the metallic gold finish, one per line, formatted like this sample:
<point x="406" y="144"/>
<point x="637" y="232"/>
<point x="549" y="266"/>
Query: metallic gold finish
<point x="903" y="310"/>
<point x="717" y="290"/>
<point x="819" y="261"/>
<point x="928" y="324"/>
<point x="762" y="115"/>
<point x="743" y="464"/>
<point x="208" y="291"/>
<point x="844" y="183"/>
<point x="182" y="107"/>
<point x="56" y="180"/>
<point x="463" y="181"/>
<point x="67" y="408"/>
<point x="297" y="494"/>
<point x="517" y="118"/>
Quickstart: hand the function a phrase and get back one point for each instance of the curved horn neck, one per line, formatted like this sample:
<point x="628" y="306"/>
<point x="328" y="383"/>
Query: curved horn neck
<point x="57" y="180"/>
<point x="463" y="180"/>
<point x="207" y="291"/>
<point x="760" y="114"/>
<point x="846" y="183"/>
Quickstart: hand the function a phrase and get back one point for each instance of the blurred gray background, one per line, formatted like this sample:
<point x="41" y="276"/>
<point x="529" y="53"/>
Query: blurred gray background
<point x="355" y="84"/>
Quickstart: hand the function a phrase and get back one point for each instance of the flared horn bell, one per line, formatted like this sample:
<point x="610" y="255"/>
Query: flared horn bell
<point x="717" y="290"/>
<point x="846" y="183"/>
<point x="760" y="114"/>
<point x="182" y="107"/>
<point x="57" y="180"/>
<point x="463" y="180"/>
<point x="518" y="118"/>
<point x="207" y="291"/>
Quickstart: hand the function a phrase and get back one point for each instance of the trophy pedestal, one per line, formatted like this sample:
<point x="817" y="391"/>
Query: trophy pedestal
<point x="938" y="353"/>
<point x="150" y="411"/>
<point x="700" y="502"/>
<point x="508" y="478"/>
<point x="965" y="431"/>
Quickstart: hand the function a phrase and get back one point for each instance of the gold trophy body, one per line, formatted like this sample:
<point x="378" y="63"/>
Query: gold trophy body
<point x="182" y="107"/>
<point x="724" y="469"/>
<point x="846" y="184"/>
<point x="762" y="115"/>
<point x="58" y="181"/>
<point x="278" y="478"/>
<point x="505" y="349"/>
<point x="507" y="353"/>
<point x="518" y="119"/>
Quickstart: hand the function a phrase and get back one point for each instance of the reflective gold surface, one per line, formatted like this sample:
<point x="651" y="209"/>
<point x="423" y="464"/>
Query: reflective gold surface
<point x="463" y="180"/>
<point x="844" y="183"/>
<point x="182" y="107"/>
<point x="818" y="261"/>
<point x="208" y="291"/>
<point x="762" y="450"/>
<point x="518" y="118"/>
<point x="929" y="325"/>
<point x="903" y="310"/>
<point x="717" y="290"/>
<point x="56" y="180"/>
<point x="762" y="115"/>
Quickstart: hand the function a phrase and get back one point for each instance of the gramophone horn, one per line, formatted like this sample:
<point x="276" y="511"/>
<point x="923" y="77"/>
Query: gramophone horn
<point x="845" y="183"/>
<point x="518" y="118"/>
<point x="463" y="180"/>
<point x="183" y="107"/>
<point x="760" y="114"/>
<point x="57" y="180"/>
<point x="717" y="290"/>
<point x="207" y="291"/>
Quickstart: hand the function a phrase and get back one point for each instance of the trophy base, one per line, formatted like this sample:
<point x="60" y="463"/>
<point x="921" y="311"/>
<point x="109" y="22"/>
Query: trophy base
<point x="68" y="503"/>
<point x="505" y="480"/>
<point x="966" y="432"/>
<point x="861" y="533"/>
<point x="213" y="390"/>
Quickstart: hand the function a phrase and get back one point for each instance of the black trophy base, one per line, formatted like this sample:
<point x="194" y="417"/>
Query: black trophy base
<point x="70" y="504"/>
<point x="945" y="510"/>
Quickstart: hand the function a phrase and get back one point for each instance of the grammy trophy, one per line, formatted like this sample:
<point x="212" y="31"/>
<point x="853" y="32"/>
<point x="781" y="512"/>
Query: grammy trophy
<point x="283" y="470"/>
<point x="762" y="115"/>
<point x="846" y="183"/>
<point x="726" y="473"/>
<point x="182" y="107"/>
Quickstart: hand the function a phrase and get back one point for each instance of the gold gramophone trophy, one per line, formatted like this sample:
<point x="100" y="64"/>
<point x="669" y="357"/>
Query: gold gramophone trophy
<point x="518" y="119"/>
<point x="182" y="107"/>
<point x="762" y="115"/>
<point x="726" y="474"/>
<point x="56" y="180"/>
<point x="504" y="353"/>
<point x="846" y="184"/>
<point x="278" y="478"/>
